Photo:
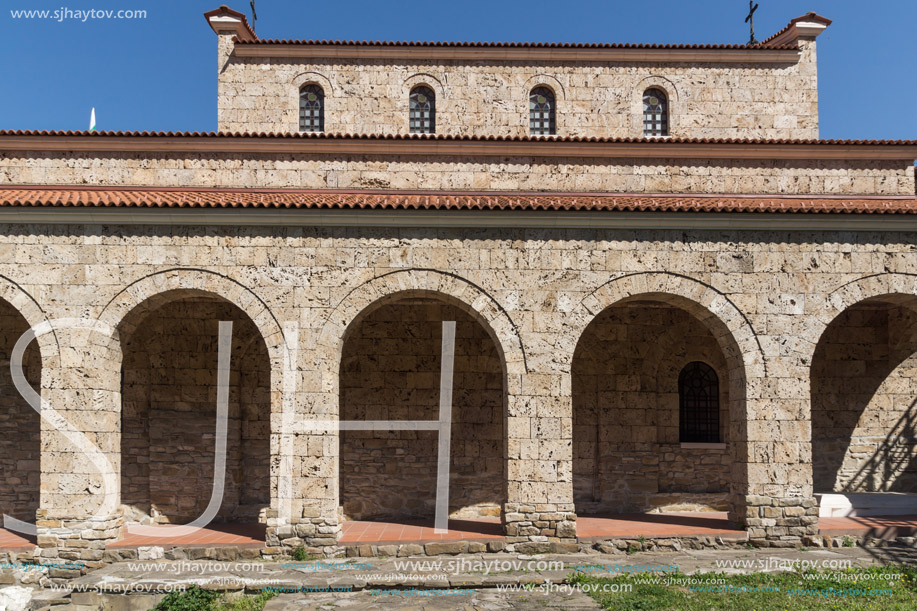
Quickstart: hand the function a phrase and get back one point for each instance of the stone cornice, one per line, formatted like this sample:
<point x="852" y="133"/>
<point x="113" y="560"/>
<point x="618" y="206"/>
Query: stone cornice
<point x="440" y="146"/>
<point x="736" y="221"/>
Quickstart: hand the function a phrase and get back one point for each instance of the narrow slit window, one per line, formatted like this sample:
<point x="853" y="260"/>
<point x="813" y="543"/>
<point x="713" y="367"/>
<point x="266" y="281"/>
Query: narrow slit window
<point x="541" y="112"/>
<point x="699" y="404"/>
<point x="423" y="111"/>
<point x="655" y="113"/>
<point x="311" y="109"/>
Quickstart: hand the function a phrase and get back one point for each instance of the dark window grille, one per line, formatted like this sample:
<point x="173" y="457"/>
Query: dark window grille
<point x="423" y="111"/>
<point x="311" y="109"/>
<point x="699" y="404"/>
<point x="655" y="113"/>
<point x="541" y="112"/>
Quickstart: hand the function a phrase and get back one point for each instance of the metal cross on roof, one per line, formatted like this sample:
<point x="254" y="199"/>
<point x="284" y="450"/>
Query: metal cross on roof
<point x="254" y="14"/>
<point x="752" y="7"/>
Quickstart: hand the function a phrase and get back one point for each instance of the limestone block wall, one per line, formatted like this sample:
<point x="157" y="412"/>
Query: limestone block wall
<point x="758" y="177"/>
<point x="168" y="415"/>
<point x="767" y="297"/>
<point x="626" y="448"/>
<point x="864" y="389"/>
<point x="390" y="370"/>
<point x="490" y="98"/>
<point x="20" y="425"/>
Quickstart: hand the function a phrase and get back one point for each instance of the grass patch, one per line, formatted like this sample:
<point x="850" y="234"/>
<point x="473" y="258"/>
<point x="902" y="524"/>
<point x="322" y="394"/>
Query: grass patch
<point x="198" y="599"/>
<point x="301" y="555"/>
<point x="892" y="588"/>
<point x="243" y="603"/>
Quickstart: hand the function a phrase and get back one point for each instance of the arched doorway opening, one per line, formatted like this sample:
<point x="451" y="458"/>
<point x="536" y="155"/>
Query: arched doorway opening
<point x="390" y="370"/>
<point x="864" y="410"/>
<point x="170" y="346"/>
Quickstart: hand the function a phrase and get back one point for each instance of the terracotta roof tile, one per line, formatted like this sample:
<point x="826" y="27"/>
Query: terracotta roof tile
<point x="810" y="16"/>
<point x="444" y="137"/>
<point x="91" y="197"/>
<point x="507" y="45"/>
<point x="225" y="10"/>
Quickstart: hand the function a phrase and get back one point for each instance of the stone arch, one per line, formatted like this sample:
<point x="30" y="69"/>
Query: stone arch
<point x="864" y="420"/>
<point x="546" y="80"/>
<point x="729" y="327"/>
<point x="458" y="291"/>
<point x="424" y="78"/>
<point x="322" y="398"/>
<point x="708" y="304"/>
<point x="306" y="78"/>
<point x="556" y="87"/>
<point x="671" y="92"/>
<point x="127" y="309"/>
<point x="329" y="103"/>
<point x="889" y="286"/>
<point x="26" y="305"/>
<point x="151" y="290"/>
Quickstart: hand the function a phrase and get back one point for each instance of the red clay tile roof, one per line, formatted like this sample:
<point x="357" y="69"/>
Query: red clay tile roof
<point x="810" y="16"/>
<point x="511" y="45"/>
<point x="228" y="11"/>
<point x="763" y="45"/>
<point x="445" y="138"/>
<point x="92" y="197"/>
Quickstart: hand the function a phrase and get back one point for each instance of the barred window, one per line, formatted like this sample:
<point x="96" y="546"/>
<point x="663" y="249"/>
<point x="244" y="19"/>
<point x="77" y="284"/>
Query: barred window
<point x="541" y="112"/>
<point x="422" y="116"/>
<point x="311" y="109"/>
<point x="699" y="404"/>
<point x="655" y="113"/>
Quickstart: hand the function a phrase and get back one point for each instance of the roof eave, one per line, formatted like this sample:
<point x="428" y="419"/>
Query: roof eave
<point x="782" y="55"/>
<point x="336" y="144"/>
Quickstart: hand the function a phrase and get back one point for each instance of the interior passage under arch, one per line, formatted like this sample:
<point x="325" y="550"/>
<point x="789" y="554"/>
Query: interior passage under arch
<point x="169" y="406"/>
<point x="20" y="424"/>
<point x="390" y="370"/>
<point x="631" y="451"/>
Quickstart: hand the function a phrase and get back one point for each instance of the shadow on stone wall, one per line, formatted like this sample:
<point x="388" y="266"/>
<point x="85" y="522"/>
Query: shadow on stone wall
<point x="864" y="419"/>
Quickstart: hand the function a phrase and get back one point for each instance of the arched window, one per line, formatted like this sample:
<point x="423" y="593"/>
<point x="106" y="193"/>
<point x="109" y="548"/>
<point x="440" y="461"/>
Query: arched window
<point x="423" y="110"/>
<point x="541" y="112"/>
<point x="655" y="113"/>
<point x="698" y="404"/>
<point x="311" y="109"/>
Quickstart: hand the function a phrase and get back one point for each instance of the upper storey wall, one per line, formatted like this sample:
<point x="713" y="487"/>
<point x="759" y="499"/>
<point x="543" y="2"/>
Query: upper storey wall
<point x="490" y="98"/>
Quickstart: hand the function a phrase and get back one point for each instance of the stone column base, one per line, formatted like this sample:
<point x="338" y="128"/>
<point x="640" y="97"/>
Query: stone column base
<point x="74" y="541"/>
<point x="539" y="528"/>
<point x="316" y="533"/>
<point x="780" y="522"/>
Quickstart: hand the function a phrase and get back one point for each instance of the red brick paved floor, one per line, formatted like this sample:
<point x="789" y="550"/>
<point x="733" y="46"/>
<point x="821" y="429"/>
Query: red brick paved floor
<point x="10" y="540"/>
<point x="237" y="535"/>
<point x="883" y="527"/>
<point x="712" y="523"/>
<point x="483" y="529"/>
<point x="410" y="531"/>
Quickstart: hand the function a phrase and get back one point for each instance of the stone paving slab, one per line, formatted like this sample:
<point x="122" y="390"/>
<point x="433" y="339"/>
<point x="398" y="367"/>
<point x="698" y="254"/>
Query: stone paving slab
<point x="380" y="584"/>
<point x="479" y="600"/>
<point x="473" y="570"/>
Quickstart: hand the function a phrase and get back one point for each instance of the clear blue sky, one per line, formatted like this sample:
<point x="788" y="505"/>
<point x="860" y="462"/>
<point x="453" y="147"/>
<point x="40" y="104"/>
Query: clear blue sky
<point x="160" y="73"/>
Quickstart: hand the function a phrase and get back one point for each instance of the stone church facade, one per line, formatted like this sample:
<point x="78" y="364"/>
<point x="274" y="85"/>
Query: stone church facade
<point x="610" y="227"/>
